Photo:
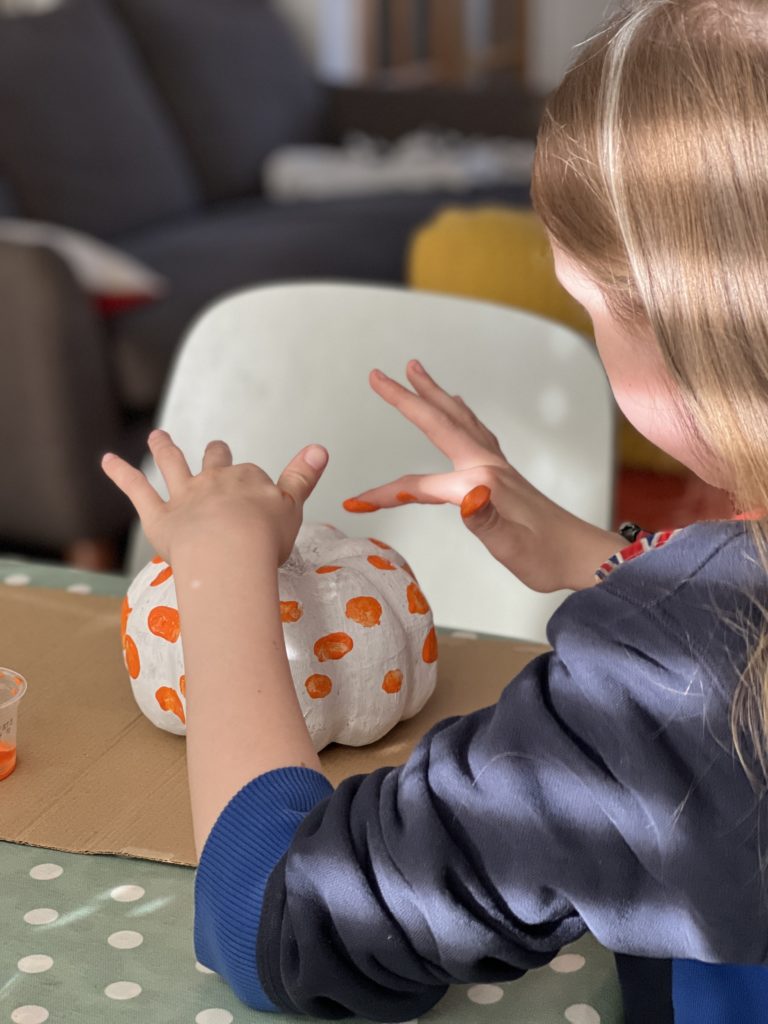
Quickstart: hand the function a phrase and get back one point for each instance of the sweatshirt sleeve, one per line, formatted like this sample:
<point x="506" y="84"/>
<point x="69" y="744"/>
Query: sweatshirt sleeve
<point x="600" y="793"/>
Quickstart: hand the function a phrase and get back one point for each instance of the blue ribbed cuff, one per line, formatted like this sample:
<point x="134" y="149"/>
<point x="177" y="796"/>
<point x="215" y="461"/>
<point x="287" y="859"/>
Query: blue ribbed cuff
<point x="249" y="838"/>
<point x="718" y="993"/>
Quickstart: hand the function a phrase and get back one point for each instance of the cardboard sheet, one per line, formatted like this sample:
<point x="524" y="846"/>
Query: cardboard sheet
<point x="94" y="776"/>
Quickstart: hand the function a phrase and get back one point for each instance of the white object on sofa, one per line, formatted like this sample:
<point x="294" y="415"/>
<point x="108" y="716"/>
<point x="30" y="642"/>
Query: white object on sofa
<point x="100" y="269"/>
<point x="418" y="162"/>
<point x="273" y="368"/>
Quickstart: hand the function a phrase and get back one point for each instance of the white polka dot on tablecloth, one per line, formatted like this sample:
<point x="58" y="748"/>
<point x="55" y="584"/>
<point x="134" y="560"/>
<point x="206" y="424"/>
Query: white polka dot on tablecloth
<point x="214" y="1016"/>
<point x="35" y="964"/>
<point x="203" y="970"/>
<point x="29" y="1015"/>
<point x="41" y="915"/>
<point x="125" y="940"/>
<point x="80" y="588"/>
<point x="122" y="990"/>
<point x="44" y="872"/>
<point x="17" y="579"/>
<point x="127" y="893"/>
<point x="484" y="995"/>
<point x="582" y="1013"/>
<point x="567" y="963"/>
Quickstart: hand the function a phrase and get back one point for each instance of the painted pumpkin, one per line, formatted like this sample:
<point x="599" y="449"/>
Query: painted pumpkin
<point x="358" y="631"/>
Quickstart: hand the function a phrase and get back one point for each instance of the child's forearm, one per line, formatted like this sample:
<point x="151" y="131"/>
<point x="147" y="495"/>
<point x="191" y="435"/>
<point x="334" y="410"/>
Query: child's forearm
<point x="243" y="715"/>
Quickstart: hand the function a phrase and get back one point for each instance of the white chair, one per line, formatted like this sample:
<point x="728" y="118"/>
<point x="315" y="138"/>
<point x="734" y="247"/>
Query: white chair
<point x="273" y="368"/>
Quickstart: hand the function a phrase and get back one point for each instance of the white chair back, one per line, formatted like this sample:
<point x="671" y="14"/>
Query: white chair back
<point x="276" y="367"/>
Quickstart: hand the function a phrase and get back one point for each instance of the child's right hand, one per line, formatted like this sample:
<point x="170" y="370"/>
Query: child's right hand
<point x="545" y="546"/>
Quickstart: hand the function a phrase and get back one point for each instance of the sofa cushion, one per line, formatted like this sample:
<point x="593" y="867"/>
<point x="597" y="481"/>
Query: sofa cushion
<point x="83" y="137"/>
<point x="231" y="73"/>
<point x="247" y="242"/>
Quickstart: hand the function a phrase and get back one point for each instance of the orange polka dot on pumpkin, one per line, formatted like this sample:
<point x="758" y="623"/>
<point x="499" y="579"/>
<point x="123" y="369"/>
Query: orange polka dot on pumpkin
<point x="333" y="646"/>
<point x="318" y="686"/>
<point x="169" y="700"/>
<point x="429" y="650"/>
<point x="290" y="611"/>
<point x="162" y="576"/>
<point x="132" y="660"/>
<point x="327" y="568"/>
<point x="380" y="563"/>
<point x="417" y="603"/>
<point x="393" y="681"/>
<point x="365" y="611"/>
<point x="157" y="560"/>
<point x="183" y="685"/>
<point x="164" y="622"/>
<point x="380" y="544"/>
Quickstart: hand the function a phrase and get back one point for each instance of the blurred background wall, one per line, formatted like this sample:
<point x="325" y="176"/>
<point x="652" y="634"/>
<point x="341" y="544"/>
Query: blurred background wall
<point x="336" y="32"/>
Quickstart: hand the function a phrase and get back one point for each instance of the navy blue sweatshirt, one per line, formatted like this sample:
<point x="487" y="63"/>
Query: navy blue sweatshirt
<point x="601" y="792"/>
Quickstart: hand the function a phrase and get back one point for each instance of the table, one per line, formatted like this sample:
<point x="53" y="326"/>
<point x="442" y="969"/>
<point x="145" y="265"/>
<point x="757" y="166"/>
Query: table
<point x="96" y="940"/>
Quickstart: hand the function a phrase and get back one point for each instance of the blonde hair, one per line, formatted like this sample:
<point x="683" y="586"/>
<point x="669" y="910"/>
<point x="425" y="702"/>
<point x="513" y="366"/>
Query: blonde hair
<point x="651" y="173"/>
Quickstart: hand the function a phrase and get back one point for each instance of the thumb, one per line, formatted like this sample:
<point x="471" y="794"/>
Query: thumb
<point x="302" y="473"/>
<point x="477" y="511"/>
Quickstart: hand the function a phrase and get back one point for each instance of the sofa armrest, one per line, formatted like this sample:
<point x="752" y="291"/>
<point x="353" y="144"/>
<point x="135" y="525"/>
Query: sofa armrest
<point x="389" y="113"/>
<point x="58" y="410"/>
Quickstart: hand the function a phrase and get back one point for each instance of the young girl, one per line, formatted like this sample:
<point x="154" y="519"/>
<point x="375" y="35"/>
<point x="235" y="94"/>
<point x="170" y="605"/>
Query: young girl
<point x="617" y="784"/>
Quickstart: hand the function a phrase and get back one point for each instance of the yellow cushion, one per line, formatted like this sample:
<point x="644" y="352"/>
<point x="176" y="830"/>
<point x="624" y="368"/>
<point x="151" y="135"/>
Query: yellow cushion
<point x="502" y="254"/>
<point x="495" y="253"/>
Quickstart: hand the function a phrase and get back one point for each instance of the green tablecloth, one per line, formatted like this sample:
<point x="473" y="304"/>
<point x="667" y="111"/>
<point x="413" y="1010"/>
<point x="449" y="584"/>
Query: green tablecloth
<point x="96" y="940"/>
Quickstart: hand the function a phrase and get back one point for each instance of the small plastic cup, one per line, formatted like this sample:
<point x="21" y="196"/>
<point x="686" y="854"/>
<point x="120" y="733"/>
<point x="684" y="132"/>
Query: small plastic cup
<point x="12" y="689"/>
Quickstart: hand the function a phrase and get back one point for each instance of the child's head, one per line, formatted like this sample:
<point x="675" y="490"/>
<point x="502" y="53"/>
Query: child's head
<point x="651" y="178"/>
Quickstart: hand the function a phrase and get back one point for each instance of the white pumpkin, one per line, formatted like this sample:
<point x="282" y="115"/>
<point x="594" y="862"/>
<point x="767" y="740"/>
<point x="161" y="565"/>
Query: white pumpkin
<point x="358" y="631"/>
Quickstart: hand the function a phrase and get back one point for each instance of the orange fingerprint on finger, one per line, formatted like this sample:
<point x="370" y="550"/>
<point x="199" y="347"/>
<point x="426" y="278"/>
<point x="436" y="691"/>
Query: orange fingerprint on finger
<point x="356" y="505"/>
<point x="327" y="568"/>
<point x="157" y="560"/>
<point x="164" y="622"/>
<point x="475" y="500"/>
<point x="429" y="650"/>
<point x="380" y="563"/>
<point x="393" y="681"/>
<point x="162" y="576"/>
<point x="404" y="497"/>
<point x="380" y="544"/>
<point x="365" y="611"/>
<point x="333" y="646"/>
<point x="183" y="685"/>
<point x="417" y="603"/>
<point x="318" y="686"/>
<point x="132" y="662"/>
<point x="125" y="611"/>
<point x="169" y="700"/>
<point x="290" y="611"/>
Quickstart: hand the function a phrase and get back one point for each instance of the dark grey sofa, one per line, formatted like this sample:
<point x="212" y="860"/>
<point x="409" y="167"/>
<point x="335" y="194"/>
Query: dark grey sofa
<point x="146" y="123"/>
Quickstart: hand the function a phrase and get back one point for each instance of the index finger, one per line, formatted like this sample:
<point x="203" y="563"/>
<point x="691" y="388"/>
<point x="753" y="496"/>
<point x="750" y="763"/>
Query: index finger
<point x="134" y="485"/>
<point x="446" y="434"/>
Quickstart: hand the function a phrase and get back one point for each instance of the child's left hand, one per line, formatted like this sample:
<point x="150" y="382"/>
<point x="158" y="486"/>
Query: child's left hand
<point x="222" y="499"/>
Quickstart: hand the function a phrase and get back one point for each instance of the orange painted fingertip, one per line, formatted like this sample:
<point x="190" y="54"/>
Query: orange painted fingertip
<point x="356" y="505"/>
<point x="475" y="501"/>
